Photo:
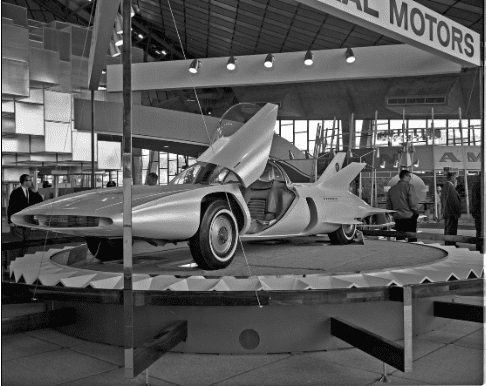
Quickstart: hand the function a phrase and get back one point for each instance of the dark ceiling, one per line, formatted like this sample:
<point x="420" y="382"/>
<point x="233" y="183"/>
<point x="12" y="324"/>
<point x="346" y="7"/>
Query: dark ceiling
<point x="215" y="28"/>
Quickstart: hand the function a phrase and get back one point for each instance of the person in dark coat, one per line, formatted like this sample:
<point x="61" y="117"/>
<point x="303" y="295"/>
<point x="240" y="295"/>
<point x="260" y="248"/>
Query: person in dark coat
<point x="22" y="197"/>
<point x="451" y="206"/>
<point x="403" y="200"/>
<point x="476" y="210"/>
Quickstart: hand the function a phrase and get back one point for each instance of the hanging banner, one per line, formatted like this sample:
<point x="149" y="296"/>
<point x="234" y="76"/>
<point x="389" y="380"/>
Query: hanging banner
<point x="408" y="22"/>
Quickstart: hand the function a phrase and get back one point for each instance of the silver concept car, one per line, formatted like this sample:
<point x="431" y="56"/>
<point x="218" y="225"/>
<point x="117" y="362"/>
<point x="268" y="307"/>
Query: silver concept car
<point x="236" y="190"/>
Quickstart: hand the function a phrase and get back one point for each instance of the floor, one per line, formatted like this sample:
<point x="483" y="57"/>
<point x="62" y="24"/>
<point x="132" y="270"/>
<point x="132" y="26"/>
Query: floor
<point x="451" y="355"/>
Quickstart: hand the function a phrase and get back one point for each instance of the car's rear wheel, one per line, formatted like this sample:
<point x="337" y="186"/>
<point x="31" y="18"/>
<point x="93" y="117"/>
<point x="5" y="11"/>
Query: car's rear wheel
<point x="214" y="245"/>
<point x="343" y="235"/>
<point x="105" y="249"/>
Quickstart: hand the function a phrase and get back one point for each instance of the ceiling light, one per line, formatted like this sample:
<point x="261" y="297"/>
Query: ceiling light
<point x="350" y="56"/>
<point x="117" y="39"/>
<point x="231" y="63"/>
<point x="119" y="24"/>
<point x="309" y="58"/>
<point x="140" y="36"/>
<point x="269" y="61"/>
<point x="164" y="52"/>
<point x="114" y="50"/>
<point x="396" y="164"/>
<point x="101" y="88"/>
<point x="132" y="12"/>
<point x="194" y="67"/>
<point x="416" y="164"/>
<point x="383" y="164"/>
<point x="103" y="71"/>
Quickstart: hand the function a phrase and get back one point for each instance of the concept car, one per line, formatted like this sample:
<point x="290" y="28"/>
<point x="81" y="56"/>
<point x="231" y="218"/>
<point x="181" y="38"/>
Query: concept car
<point x="237" y="190"/>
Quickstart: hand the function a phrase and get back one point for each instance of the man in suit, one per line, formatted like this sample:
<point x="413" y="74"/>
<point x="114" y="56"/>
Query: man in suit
<point x="20" y="198"/>
<point x="451" y="206"/>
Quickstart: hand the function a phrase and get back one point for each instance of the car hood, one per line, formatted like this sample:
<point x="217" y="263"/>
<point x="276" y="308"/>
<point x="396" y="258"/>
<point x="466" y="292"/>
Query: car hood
<point x="109" y="200"/>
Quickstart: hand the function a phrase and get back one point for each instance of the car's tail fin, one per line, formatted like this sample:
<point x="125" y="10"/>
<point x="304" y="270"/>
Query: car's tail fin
<point x="334" y="167"/>
<point x="341" y="179"/>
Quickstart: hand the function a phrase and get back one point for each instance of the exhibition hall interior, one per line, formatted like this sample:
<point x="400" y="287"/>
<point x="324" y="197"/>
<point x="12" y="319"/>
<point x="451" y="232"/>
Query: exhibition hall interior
<point x="243" y="192"/>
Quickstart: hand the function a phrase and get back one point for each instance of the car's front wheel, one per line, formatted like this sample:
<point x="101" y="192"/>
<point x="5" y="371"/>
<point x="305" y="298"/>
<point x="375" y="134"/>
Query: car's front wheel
<point x="105" y="249"/>
<point x="343" y="235"/>
<point x="214" y="245"/>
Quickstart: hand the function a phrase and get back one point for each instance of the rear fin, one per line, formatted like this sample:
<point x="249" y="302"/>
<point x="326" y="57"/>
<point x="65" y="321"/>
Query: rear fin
<point x="333" y="168"/>
<point x="342" y="179"/>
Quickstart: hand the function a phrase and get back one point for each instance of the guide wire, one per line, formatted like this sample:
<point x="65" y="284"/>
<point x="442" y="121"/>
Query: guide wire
<point x="212" y="149"/>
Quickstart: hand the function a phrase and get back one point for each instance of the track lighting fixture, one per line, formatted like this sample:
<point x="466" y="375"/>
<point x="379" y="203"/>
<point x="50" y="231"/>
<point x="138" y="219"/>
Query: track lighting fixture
<point x="231" y="63"/>
<point x="194" y="67"/>
<point x="119" y="24"/>
<point x="309" y="58"/>
<point x="269" y="61"/>
<point x="114" y="50"/>
<point x="350" y="58"/>
<point x="117" y="39"/>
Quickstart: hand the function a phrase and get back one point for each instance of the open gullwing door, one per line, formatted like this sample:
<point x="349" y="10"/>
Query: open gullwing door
<point x="246" y="150"/>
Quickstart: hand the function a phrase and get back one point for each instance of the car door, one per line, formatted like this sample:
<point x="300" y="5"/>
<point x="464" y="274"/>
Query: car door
<point x="246" y="151"/>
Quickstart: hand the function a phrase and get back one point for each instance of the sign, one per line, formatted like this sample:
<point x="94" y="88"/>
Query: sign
<point x="445" y="156"/>
<point x="408" y="22"/>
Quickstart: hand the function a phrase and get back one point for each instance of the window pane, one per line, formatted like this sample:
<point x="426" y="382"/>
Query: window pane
<point x="301" y="141"/>
<point x="173" y="167"/>
<point x="163" y="177"/>
<point x="277" y="127"/>
<point x="287" y="130"/>
<point x="313" y="129"/>
<point x="300" y="126"/>
<point x="163" y="160"/>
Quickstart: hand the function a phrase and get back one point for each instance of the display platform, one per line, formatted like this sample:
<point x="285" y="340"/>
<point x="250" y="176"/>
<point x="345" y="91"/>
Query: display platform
<point x="280" y="301"/>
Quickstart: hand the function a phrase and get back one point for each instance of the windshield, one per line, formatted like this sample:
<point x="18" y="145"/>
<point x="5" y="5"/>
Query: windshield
<point x="204" y="173"/>
<point x="235" y="117"/>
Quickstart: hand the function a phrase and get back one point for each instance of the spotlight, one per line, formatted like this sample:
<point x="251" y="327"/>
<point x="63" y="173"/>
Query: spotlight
<point x="114" y="50"/>
<point x="231" y="63"/>
<point x="383" y="164"/>
<point x="269" y="61"/>
<point x="309" y="58"/>
<point x="117" y="39"/>
<point x="416" y="164"/>
<point x="350" y="58"/>
<point x="103" y="71"/>
<point x="164" y="52"/>
<point x="132" y="12"/>
<point x="194" y="67"/>
<point x="396" y="164"/>
<point x="119" y="24"/>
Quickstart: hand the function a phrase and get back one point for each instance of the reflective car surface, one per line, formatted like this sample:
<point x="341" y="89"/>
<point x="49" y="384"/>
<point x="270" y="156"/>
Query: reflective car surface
<point x="236" y="190"/>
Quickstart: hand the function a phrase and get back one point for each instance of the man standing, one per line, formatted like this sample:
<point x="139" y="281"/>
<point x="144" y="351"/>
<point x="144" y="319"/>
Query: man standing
<point x="20" y="198"/>
<point x="152" y="179"/>
<point x="451" y="206"/>
<point x="403" y="200"/>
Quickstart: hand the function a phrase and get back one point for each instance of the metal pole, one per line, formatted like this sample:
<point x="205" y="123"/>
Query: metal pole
<point x="436" y="207"/>
<point x="92" y="143"/>
<point x="127" y="190"/>
<point x="482" y="97"/>
<point x="464" y="162"/>
<point x="373" y="163"/>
